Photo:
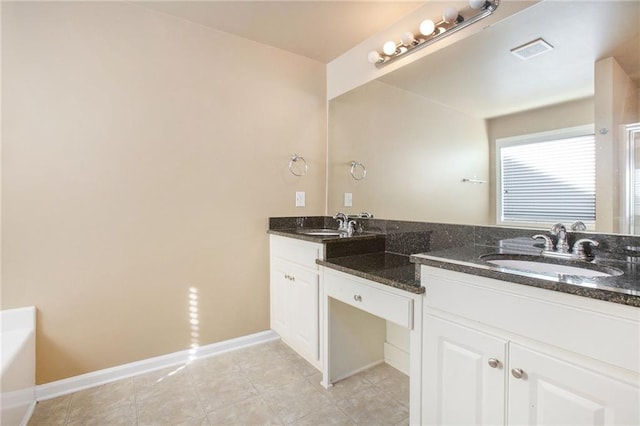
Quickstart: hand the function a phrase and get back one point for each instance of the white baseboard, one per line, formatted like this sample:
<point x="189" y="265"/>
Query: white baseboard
<point x="28" y="414"/>
<point x="359" y="370"/>
<point x="396" y="357"/>
<point x="95" y="378"/>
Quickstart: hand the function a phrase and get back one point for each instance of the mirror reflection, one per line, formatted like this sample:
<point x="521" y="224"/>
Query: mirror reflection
<point x="525" y="123"/>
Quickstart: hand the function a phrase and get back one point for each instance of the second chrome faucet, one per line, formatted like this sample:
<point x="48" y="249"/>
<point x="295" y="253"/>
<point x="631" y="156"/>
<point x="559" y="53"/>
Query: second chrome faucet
<point x="344" y="224"/>
<point x="561" y="247"/>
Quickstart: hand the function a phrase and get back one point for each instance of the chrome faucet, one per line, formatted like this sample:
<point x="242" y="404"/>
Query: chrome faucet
<point x="343" y="221"/>
<point x="562" y="248"/>
<point x="559" y="230"/>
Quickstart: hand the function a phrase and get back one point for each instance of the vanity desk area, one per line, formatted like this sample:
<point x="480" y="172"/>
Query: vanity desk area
<point x="484" y="345"/>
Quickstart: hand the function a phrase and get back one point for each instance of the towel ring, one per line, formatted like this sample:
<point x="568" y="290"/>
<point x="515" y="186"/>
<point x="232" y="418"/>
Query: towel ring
<point x="357" y="176"/>
<point x="294" y="159"/>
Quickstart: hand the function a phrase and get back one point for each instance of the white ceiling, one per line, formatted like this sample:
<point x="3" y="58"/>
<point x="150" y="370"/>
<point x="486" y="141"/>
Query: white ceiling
<point x="481" y="77"/>
<point x="320" y="30"/>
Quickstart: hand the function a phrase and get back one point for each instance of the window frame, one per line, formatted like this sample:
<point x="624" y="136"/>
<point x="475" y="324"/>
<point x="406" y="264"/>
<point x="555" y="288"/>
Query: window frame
<point x="526" y="139"/>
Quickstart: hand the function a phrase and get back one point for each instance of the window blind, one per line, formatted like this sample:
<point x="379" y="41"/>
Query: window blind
<point x="550" y="181"/>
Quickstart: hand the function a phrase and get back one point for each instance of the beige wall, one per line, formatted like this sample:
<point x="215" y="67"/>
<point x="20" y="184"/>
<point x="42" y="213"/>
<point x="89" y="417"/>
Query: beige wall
<point x="416" y="154"/>
<point x="142" y="156"/>
<point x="559" y="116"/>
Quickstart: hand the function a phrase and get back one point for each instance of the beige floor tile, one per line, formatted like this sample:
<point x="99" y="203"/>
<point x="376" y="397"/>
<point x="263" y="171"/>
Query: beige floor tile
<point x="371" y="406"/>
<point x="107" y="415"/>
<point x="294" y="401"/>
<point x="163" y="384"/>
<point x="178" y="408"/>
<point x="380" y="372"/>
<point x="224" y="390"/>
<point x="219" y="364"/>
<point x="263" y="384"/>
<point x="328" y="415"/>
<point x="258" y="355"/>
<point x="397" y="387"/>
<point x="274" y="374"/>
<point x="104" y="397"/>
<point x="404" y="422"/>
<point x="348" y="387"/>
<point x="51" y="412"/>
<point x="253" y="411"/>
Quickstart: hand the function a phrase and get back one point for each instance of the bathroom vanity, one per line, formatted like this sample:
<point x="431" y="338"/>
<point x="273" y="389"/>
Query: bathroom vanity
<point x="484" y="346"/>
<point x="512" y="354"/>
<point x="295" y="294"/>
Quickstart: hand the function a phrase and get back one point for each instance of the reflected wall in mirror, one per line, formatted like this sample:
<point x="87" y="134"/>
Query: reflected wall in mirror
<point x="424" y="128"/>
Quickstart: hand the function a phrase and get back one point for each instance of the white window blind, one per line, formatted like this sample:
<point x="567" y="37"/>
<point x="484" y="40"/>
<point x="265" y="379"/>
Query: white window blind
<point x="549" y="181"/>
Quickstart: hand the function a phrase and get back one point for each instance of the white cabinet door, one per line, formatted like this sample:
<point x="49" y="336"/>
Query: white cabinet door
<point x="304" y="312"/>
<point x="294" y="307"/>
<point x="552" y="391"/>
<point x="463" y="371"/>
<point x="280" y="311"/>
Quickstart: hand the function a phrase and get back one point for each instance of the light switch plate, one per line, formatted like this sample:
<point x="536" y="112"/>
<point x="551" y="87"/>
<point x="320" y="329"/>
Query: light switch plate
<point x="300" y="198"/>
<point x="348" y="199"/>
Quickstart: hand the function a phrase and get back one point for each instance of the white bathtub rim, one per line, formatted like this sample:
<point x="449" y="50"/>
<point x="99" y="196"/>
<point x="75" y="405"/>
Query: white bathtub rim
<point x="18" y="319"/>
<point x="12" y="345"/>
<point x="108" y="375"/>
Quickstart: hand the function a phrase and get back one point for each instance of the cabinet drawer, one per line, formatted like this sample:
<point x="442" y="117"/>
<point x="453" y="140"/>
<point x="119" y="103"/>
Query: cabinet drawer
<point x="370" y="299"/>
<point x="301" y="252"/>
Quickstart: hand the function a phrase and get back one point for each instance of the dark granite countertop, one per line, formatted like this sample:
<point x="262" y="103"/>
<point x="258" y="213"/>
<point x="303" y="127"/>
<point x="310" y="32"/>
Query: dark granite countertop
<point x="391" y="269"/>
<point x="299" y="234"/>
<point x="623" y="289"/>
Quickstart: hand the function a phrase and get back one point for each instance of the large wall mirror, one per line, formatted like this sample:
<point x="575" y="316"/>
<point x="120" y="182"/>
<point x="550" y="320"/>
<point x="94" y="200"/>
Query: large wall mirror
<point x="427" y="133"/>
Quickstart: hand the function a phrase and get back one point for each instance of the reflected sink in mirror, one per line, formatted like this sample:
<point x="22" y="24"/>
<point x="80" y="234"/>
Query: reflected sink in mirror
<point x="322" y="232"/>
<point x="542" y="265"/>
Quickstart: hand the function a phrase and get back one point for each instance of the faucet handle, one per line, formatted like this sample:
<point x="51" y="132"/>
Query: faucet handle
<point x="578" y="226"/>
<point x="557" y="228"/>
<point x="351" y="227"/>
<point x="548" y="242"/>
<point x="578" y="247"/>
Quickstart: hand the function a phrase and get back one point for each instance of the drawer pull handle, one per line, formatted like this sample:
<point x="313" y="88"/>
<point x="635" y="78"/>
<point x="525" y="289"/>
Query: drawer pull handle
<point x="518" y="373"/>
<point x="357" y="298"/>
<point x="494" y="363"/>
<point x="289" y="277"/>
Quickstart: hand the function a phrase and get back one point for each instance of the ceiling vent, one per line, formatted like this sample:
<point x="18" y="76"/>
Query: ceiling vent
<point x="531" y="49"/>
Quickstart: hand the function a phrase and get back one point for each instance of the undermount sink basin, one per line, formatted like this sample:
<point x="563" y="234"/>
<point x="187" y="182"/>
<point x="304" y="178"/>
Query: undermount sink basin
<point x="323" y="232"/>
<point x="538" y="264"/>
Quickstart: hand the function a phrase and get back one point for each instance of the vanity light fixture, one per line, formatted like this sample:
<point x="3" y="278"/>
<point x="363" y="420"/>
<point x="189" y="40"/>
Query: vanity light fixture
<point x="429" y="31"/>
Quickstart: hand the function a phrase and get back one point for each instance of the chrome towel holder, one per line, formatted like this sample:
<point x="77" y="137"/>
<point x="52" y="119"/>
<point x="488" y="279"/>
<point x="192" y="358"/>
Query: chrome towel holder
<point x="294" y="159"/>
<point x="353" y="170"/>
<point x="474" y="180"/>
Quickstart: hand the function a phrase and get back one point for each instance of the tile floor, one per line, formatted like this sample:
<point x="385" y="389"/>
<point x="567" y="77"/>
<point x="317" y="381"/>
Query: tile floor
<point x="262" y="384"/>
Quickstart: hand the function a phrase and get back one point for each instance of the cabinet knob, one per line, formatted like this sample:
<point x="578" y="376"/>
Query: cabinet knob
<point x="357" y="298"/>
<point x="518" y="373"/>
<point x="493" y="363"/>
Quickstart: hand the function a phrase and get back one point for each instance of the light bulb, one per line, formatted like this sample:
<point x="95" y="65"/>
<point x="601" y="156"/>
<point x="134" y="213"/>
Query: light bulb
<point x="373" y="57"/>
<point x="407" y="38"/>
<point x="427" y="27"/>
<point x="450" y="15"/>
<point x="389" y="48"/>
<point x="476" y="4"/>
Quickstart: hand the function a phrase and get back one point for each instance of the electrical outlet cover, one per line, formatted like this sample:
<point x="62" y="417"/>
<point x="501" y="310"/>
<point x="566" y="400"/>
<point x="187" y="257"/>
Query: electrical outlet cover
<point x="348" y="199"/>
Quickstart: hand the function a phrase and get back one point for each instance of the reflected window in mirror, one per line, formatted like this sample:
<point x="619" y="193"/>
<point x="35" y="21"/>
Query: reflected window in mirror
<point x="632" y="190"/>
<point x="546" y="178"/>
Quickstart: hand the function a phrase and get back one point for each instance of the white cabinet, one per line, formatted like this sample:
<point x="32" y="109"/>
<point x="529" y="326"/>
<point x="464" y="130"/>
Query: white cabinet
<point x="555" y="391"/>
<point x="502" y="353"/>
<point x="460" y="387"/>
<point x="295" y="295"/>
